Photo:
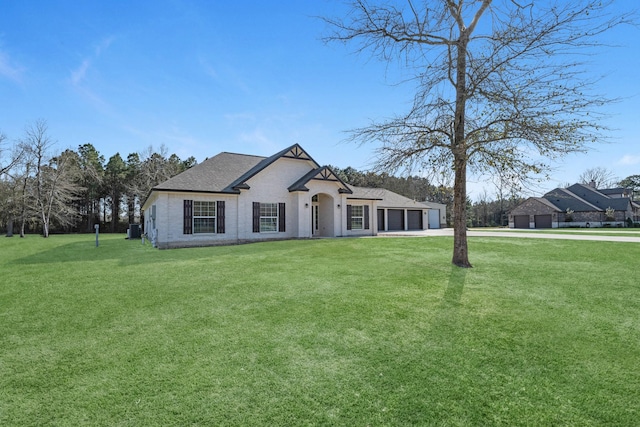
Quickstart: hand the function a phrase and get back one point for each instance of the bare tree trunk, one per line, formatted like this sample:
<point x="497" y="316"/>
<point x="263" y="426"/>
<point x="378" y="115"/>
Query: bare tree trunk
<point x="460" y="247"/>
<point x="45" y="225"/>
<point x="10" y="227"/>
<point x="460" y="155"/>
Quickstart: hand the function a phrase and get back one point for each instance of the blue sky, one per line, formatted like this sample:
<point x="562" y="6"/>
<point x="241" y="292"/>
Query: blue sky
<point x="201" y="77"/>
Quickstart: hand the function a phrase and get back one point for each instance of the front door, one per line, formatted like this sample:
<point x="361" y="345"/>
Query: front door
<point x="314" y="218"/>
<point x="322" y="215"/>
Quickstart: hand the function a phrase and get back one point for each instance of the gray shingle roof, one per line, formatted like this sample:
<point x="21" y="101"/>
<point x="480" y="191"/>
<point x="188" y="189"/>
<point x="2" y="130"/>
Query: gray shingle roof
<point x="598" y="199"/>
<point x="564" y="199"/>
<point x="227" y="172"/>
<point x="388" y="199"/>
<point x="214" y="175"/>
<point x="583" y="198"/>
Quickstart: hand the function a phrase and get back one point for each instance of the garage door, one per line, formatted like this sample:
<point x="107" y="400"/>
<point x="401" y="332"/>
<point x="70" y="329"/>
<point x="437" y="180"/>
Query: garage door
<point x="414" y="220"/>
<point x="380" y="219"/>
<point x="521" y="221"/>
<point x="434" y="218"/>
<point x="396" y="219"/>
<point x="543" y="221"/>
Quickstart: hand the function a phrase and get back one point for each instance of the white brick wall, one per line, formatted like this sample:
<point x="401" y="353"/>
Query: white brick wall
<point x="268" y="186"/>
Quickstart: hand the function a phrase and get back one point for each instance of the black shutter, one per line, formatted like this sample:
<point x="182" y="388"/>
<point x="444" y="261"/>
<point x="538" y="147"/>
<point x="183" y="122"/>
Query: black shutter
<point x="348" y="217"/>
<point x="281" y="218"/>
<point x="220" y="217"/>
<point x="366" y="217"/>
<point x="256" y="217"/>
<point x="187" y="227"/>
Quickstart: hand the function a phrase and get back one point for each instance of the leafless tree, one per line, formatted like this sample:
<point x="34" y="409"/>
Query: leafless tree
<point x="51" y="187"/>
<point x="599" y="177"/>
<point x="499" y="83"/>
<point x="7" y="162"/>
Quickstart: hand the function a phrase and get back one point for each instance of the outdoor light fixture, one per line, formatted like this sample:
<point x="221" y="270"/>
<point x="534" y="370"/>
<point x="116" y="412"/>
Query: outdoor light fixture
<point x="338" y="206"/>
<point x="306" y="205"/>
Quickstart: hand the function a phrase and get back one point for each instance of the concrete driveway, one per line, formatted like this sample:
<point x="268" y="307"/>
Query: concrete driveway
<point x="571" y="234"/>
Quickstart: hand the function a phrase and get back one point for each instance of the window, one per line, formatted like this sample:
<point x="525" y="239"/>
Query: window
<point x="357" y="217"/>
<point x="268" y="217"/>
<point x="204" y="217"/>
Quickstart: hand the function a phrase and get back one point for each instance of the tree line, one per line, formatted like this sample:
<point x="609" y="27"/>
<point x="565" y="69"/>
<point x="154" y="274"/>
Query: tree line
<point x="70" y="191"/>
<point x="45" y="191"/>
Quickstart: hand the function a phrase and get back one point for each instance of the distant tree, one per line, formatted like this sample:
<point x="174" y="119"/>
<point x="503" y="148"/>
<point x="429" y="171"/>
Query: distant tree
<point x="23" y="195"/>
<point x="115" y="174"/>
<point x="47" y="180"/>
<point x="62" y="191"/>
<point x="157" y="167"/>
<point x="632" y="182"/>
<point x="8" y="161"/>
<point x="90" y="179"/>
<point x="499" y="83"/>
<point x="189" y="163"/>
<point x="132" y="185"/>
<point x="599" y="176"/>
<point x="7" y="190"/>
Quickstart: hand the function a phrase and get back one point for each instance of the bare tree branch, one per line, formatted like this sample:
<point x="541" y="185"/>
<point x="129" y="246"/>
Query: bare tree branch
<point x="502" y="85"/>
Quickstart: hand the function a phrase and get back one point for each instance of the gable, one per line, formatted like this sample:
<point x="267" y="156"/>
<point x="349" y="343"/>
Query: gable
<point x="535" y="205"/>
<point x="214" y="175"/>
<point x="565" y="199"/>
<point x="295" y="152"/>
<point x="598" y="199"/>
<point x="320" y="174"/>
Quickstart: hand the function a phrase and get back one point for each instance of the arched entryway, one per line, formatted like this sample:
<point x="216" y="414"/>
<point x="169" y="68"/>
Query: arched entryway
<point x="322" y="215"/>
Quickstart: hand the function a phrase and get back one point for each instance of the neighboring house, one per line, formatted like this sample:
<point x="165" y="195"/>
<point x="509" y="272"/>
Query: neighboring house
<point x="579" y="205"/>
<point x="237" y="198"/>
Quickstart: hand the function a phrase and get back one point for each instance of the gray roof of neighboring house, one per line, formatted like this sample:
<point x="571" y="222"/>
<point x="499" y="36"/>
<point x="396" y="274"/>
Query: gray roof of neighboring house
<point x="547" y="203"/>
<point x="599" y="199"/>
<point x="564" y="199"/>
<point x="614" y="191"/>
<point x="584" y="198"/>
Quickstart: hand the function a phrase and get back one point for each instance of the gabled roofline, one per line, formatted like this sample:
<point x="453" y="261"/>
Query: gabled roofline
<point x="544" y="201"/>
<point x="293" y="152"/>
<point x="323" y="173"/>
<point x="575" y="196"/>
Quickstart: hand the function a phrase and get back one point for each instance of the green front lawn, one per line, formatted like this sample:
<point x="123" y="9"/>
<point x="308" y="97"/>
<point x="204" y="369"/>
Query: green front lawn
<point x="350" y="332"/>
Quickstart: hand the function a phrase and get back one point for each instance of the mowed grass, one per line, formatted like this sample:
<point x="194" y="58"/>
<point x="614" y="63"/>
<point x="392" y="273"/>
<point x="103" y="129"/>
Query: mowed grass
<point x="350" y="332"/>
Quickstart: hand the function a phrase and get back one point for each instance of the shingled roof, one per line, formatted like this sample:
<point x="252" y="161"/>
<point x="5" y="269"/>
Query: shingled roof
<point x="228" y="172"/>
<point x="388" y="199"/>
<point x="584" y="198"/>
<point x="595" y="197"/>
<point x="214" y="175"/>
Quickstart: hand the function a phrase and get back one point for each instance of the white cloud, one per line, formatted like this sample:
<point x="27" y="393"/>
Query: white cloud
<point x="10" y="70"/>
<point x="629" y="159"/>
<point x="78" y="75"/>
<point x="257" y="136"/>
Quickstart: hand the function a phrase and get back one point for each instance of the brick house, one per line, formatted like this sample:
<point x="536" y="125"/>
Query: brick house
<point x="579" y="205"/>
<point x="235" y="198"/>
